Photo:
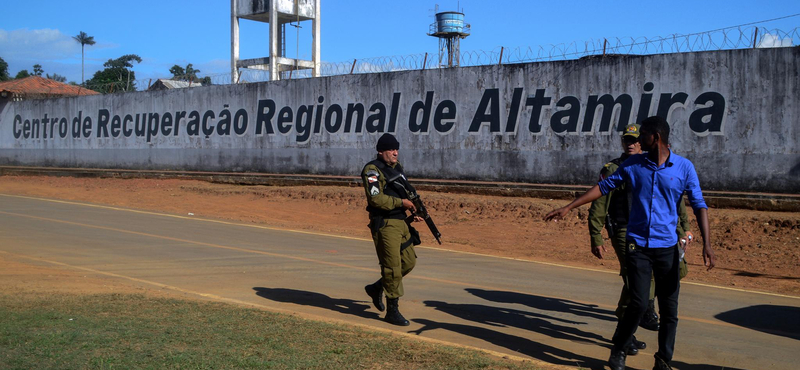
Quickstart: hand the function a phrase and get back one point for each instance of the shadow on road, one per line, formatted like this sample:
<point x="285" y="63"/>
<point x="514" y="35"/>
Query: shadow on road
<point x="776" y="320"/>
<point x="545" y="303"/>
<point x="686" y="366"/>
<point x="302" y="297"/>
<point x="503" y="317"/>
<point x="521" y="345"/>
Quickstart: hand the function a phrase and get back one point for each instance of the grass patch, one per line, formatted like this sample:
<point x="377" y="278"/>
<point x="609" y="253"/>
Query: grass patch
<point x="120" y="331"/>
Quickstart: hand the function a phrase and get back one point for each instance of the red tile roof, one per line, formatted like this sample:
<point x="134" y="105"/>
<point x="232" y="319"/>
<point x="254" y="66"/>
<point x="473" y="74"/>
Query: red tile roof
<point x="38" y="86"/>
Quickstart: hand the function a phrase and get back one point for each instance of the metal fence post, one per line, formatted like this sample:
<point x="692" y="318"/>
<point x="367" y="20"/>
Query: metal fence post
<point x="500" y="62"/>
<point x="755" y="38"/>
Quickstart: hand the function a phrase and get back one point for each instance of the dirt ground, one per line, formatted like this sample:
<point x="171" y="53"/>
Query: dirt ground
<point x="755" y="250"/>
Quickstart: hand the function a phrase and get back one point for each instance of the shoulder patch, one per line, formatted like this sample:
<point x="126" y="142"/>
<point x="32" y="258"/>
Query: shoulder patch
<point x="375" y="173"/>
<point x="373" y="190"/>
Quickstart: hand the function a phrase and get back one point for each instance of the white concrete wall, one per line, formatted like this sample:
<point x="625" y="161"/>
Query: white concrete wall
<point x="733" y="113"/>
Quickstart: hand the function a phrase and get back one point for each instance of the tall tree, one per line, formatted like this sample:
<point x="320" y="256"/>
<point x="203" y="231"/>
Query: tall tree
<point x="117" y="75"/>
<point x="22" y="74"/>
<point x="4" y="70"/>
<point x="83" y="39"/>
<point x="37" y="70"/>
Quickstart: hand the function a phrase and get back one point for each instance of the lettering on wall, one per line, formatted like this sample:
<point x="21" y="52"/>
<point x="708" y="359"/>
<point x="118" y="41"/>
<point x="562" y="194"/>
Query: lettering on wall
<point x="433" y="113"/>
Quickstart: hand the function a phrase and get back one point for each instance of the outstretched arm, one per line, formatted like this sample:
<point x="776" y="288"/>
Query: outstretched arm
<point x="588" y="196"/>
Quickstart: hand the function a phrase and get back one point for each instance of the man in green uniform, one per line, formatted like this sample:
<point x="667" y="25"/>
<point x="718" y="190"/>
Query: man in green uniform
<point x="611" y="211"/>
<point x="387" y="190"/>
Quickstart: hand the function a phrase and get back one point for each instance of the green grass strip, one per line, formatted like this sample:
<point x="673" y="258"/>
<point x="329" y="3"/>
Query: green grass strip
<point x="115" y="331"/>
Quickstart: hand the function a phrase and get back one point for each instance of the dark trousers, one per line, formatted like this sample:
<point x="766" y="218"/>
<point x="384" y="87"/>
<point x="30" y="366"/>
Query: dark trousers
<point x="663" y="264"/>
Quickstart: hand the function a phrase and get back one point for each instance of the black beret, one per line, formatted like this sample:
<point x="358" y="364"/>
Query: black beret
<point x="387" y="142"/>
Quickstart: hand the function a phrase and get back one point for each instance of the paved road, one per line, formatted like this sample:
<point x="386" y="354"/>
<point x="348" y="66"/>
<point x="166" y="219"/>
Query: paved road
<point x="556" y="314"/>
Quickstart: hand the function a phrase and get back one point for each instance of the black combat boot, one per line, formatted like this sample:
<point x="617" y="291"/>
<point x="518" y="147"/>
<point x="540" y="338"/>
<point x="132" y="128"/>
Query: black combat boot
<point x="650" y="318"/>
<point x="661" y="364"/>
<point x="393" y="315"/>
<point x="636" y="345"/>
<point x="375" y="291"/>
<point x="617" y="359"/>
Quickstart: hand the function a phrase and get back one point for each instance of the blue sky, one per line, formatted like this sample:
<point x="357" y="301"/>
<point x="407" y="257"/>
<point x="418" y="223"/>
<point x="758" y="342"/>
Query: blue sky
<point x="166" y="32"/>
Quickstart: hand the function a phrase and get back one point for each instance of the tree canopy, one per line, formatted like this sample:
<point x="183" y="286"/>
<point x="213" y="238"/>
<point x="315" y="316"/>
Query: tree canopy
<point x="117" y="76"/>
<point x="188" y="74"/>
<point x="57" y="77"/>
<point x="4" y="70"/>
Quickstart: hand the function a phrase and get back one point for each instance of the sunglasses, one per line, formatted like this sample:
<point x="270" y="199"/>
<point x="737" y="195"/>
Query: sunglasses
<point x="630" y="140"/>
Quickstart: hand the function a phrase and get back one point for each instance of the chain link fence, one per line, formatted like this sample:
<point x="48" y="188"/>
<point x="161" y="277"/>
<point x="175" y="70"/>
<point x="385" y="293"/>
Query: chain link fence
<point x="720" y="39"/>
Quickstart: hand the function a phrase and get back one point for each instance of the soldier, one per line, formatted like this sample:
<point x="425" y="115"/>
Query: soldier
<point x="611" y="211"/>
<point x="386" y="188"/>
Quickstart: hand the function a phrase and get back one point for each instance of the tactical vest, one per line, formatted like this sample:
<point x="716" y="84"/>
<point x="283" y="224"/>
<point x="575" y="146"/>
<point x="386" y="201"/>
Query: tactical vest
<point x="392" y="176"/>
<point x="619" y="204"/>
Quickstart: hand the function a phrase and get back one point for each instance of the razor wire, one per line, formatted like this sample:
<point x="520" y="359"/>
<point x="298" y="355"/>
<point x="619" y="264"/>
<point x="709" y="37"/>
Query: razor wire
<point x="720" y="39"/>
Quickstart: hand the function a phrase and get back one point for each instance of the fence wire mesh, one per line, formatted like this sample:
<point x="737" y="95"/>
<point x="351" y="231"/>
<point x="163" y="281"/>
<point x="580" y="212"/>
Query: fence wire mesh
<point x="721" y="39"/>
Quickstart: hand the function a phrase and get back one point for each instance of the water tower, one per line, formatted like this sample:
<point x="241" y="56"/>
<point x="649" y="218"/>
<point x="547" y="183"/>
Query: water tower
<point x="450" y="29"/>
<point x="277" y="13"/>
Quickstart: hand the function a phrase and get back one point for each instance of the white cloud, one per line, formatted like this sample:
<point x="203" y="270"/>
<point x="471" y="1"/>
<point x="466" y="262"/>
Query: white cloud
<point x="41" y="45"/>
<point x="55" y="51"/>
<point x="774" y="41"/>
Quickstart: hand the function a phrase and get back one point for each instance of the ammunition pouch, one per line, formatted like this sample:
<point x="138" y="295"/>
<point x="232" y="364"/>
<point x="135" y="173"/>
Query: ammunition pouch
<point x="376" y="223"/>
<point x="414" y="239"/>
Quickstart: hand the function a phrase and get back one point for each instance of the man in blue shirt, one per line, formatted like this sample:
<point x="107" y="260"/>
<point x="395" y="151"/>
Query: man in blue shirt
<point x="656" y="180"/>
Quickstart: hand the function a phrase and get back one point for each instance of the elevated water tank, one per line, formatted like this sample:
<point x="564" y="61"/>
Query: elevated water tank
<point x="450" y="22"/>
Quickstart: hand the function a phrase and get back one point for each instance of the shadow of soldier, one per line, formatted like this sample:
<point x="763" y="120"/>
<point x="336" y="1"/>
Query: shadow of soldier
<point x="776" y="320"/>
<point x="517" y="344"/>
<point x="503" y="317"/>
<point x="678" y="365"/>
<point x="545" y="303"/>
<point x="305" y="298"/>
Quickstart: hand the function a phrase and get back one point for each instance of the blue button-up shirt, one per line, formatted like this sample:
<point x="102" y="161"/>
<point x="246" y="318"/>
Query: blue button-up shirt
<point x="655" y="192"/>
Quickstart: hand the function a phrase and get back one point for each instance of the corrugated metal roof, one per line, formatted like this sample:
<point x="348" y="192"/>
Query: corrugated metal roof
<point x="39" y="86"/>
<point x="174" y="84"/>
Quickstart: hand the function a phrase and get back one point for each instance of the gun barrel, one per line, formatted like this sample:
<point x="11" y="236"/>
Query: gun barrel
<point x="434" y="229"/>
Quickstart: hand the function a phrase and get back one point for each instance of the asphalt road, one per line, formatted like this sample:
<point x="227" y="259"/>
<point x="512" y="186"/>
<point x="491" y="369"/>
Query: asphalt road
<point x="556" y="314"/>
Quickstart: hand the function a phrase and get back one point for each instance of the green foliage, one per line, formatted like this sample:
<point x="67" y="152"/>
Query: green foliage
<point x="117" y="76"/>
<point x="22" y="74"/>
<point x="57" y="77"/>
<point x="188" y="74"/>
<point x="84" y="39"/>
<point x="37" y="70"/>
<point x="4" y="70"/>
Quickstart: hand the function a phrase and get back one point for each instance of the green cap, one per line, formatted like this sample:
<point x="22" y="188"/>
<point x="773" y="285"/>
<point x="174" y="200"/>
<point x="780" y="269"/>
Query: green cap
<point x="631" y="130"/>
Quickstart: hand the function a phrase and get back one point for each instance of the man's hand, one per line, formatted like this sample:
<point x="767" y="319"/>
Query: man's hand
<point x="557" y="214"/>
<point x="708" y="257"/>
<point x="418" y="219"/>
<point x="598" y="251"/>
<point x="409" y="205"/>
<point x="689" y="239"/>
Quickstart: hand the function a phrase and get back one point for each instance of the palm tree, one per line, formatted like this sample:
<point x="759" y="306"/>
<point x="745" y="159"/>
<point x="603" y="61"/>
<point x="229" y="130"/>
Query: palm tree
<point x="83" y="39"/>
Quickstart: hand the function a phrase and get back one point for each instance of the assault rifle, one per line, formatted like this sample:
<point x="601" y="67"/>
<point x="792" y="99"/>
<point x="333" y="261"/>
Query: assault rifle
<point x="421" y="211"/>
